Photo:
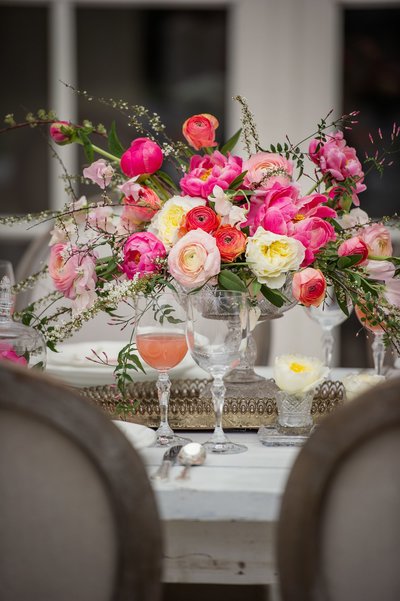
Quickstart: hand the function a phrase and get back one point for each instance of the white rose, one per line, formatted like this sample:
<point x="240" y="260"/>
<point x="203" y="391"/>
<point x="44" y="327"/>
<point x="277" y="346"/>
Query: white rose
<point x="167" y="222"/>
<point x="296" y="374"/>
<point x="355" y="384"/>
<point x="270" y="256"/>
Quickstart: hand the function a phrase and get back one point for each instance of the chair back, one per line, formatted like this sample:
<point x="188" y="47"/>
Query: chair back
<point x="339" y="527"/>
<point x="78" y="518"/>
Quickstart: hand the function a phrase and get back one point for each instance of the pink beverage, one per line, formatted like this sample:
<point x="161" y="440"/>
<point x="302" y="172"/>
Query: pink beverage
<point x="162" y="350"/>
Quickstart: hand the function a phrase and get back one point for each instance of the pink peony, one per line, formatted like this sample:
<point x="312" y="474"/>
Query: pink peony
<point x="314" y="233"/>
<point x="354" y="246"/>
<point x="61" y="132"/>
<point x="265" y="169"/>
<point x="142" y="251"/>
<point x="8" y="353"/>
<point x="313" y="206"/>
<point x="142" y="157"/>
<point x="377" y="238"/>
<point x="194" y="259"/>
<point x="273" y="209"/>
<point x="309" y="287"/>
<point x="338" y="160"/>
<point x="199" y="130"/>
<point x="209" y="171"/>
<point x="100" y="172"/>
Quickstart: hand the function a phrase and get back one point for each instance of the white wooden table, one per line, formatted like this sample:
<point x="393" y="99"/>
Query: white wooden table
<point x="219" y="525"/>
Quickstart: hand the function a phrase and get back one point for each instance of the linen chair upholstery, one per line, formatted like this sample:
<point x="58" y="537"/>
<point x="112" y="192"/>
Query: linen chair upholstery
<point x="78" y="519"/>
<point x="339" y="527"/>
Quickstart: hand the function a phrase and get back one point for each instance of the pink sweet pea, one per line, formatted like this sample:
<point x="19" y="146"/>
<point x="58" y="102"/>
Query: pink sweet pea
<point x="142" y="252"/>
<point x="380" y="270"/>
<point x="354" y="246"/>
<point x="142" y="157"/>
<point x="100" y="172"/>
<point x="194" y="259"/>
<point x="392" y="292"/>
<point x="101" y="218"/>
<point x="209" y="171"/>
<point x="8" y="353"/>
<point x="73" y="272"/>
<point x="265" y="169"/>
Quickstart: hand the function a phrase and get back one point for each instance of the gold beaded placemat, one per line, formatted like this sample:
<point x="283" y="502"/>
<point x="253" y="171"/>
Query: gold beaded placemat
<point x="191" y="407"/>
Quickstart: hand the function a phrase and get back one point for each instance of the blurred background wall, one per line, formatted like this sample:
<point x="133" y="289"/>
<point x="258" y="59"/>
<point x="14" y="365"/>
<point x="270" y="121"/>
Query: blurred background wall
<point x="294" y="60"/>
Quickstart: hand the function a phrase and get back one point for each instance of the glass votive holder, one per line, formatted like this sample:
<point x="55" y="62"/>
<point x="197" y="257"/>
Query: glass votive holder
<point x="294" y="412"/>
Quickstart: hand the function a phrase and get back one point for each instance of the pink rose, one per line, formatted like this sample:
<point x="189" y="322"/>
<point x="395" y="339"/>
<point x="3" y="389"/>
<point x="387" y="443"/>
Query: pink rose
<point x="100" y="172"/>
<point x="61" y="132"/>
<point x="209" y="171"/>
<point x="142" y="252"/>
<point x="8" y="353"/>
<point x="199" y="131"/>
<point x="194" y="259"/>
<point x="354" y="246"/>
<point x="377" y="238"/>
<point x="143" y="204"/>
<point x="143" y="157"/>
<point x="309" y="287"/>
<point x="265" y="169"/>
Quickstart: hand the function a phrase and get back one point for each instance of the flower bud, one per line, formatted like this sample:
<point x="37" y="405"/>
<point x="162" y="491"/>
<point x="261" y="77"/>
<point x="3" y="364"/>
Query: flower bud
<point x="61" y="132"/>
<point x="354" y="246"/>
<point x="143" y="157"/>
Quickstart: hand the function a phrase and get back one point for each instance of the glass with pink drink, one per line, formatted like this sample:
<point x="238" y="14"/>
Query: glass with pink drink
<point x="161" y="342"/>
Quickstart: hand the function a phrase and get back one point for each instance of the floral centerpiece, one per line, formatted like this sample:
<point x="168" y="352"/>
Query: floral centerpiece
<point x="194" y="212"/>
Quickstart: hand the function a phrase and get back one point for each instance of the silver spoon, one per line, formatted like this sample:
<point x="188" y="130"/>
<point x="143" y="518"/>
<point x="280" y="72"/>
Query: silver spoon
<point x="190" y="454"/>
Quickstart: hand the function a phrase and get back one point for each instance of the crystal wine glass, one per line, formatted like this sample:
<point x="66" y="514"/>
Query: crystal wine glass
<point x="377" y="345"/>
<point x="217" y="330"/>
<point x="329" y="315"/>
<point x="161" y="342"/>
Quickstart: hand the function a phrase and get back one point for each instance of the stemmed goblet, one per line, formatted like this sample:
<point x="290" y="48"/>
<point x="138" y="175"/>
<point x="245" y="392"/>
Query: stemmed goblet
<point x="217" y="330"/>
<point x="377" y="345"/>
<point x="329" y="315"/>
<point x="161" y="342"/>
<point x="7" y="271"/>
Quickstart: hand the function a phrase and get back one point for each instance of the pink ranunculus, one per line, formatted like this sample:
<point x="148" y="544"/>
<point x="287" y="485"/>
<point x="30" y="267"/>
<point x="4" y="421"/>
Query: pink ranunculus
<point x="273" y="209"/>
<point x="100" y="172"/>
<point x="265" y="169"/>
<point x="314" y="233"/>
<point x="142" y="252"/>
<point x="143" y="204"/>
<point x="392" y="291"/>
<point x="338" y="160"/>
<point x="377" y="238"/>
<point x="142" y="157"/>
<point x="8" y="353"/>
<point x="309" y="287"/>
<point x="73" y="271"/>
<point x="209" y="171"/>
<point x="61" y="137"/>
<point x="194" y="259"/>
<point x="354" y="246"/>
<point x="199" y="130"/>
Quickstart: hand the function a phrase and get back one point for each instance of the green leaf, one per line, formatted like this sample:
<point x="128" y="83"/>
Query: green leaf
<point x="237" y="181"/>
<point x="87" y="146"/>
<point x="114" y="145"/>
<point x="230" y="281"/>
<point x="167" y="179"/>
<point x="231" y="143"/>
<point x="348" y="261"/>
<point x="273" y="296"/>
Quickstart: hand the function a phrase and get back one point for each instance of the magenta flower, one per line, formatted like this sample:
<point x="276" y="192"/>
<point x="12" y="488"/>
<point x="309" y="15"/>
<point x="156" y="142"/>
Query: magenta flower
<point x="61" y="137"/>
<point x="272" y="209"/>
<point x="142" y="157"/>
<point x="209" y="171"/>
<point x="141" y="251"/>
<point x="314" y="233"/>
<point x="8" y="353"/>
